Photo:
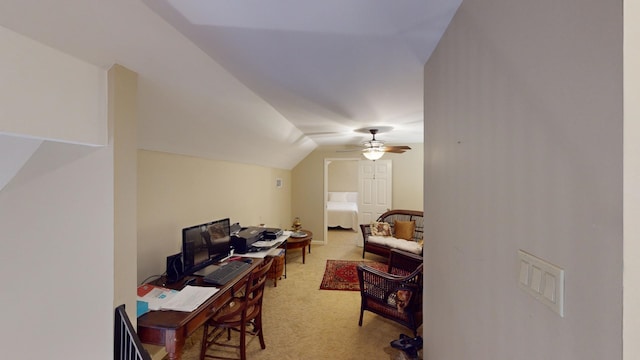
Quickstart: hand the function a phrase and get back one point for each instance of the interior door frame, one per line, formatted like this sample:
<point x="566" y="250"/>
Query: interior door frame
<point x="325" y="192"/>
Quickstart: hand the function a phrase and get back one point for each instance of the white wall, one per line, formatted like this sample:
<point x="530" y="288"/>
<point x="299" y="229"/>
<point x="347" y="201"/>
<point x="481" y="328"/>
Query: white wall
<point x="523" y="150"/>
<point x="20" y="149"/>
<point x="631" y="180"/>
<point x="56" y="218"/>
<point x="56" y="213"/>
<point x="47" y="94"/>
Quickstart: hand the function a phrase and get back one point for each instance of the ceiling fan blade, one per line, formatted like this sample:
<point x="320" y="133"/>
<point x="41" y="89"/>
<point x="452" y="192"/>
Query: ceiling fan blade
<point x="374" y="144"/>
<point x="395" y="151"/>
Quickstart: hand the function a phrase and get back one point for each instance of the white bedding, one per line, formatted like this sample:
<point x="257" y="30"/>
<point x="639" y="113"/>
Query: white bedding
<point x="342" y="210"/>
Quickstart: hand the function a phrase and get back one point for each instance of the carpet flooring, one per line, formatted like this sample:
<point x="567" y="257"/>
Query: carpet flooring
<point x="343" y="274"/>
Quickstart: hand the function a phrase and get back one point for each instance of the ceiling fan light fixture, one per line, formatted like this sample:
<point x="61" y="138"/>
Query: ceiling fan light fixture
<point x="374" y="149"/>
<point x="373" y="144"/>
<point x="373" y="153"/>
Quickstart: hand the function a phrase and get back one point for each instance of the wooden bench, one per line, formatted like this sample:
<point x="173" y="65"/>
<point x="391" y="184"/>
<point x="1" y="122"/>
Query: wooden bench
<point x="389" y="217"/>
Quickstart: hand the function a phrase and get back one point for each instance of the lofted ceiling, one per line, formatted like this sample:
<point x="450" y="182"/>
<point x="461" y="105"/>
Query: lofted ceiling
<point x="253" y="81"/>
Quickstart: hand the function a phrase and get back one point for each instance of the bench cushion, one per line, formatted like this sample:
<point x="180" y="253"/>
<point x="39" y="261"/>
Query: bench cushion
<point x="394" y="243"/>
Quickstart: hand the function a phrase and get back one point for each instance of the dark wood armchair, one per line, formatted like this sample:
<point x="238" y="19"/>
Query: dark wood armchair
<point x="395" y="294"/>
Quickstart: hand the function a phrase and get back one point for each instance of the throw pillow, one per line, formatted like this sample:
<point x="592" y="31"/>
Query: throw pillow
<point x="380" y="229"/>
<point x="404" y="229"/>
<point x="400" y="299"/>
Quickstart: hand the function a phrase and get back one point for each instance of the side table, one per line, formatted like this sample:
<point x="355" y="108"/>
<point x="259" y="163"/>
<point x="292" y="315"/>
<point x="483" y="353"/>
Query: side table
<point x="300" y="242"/>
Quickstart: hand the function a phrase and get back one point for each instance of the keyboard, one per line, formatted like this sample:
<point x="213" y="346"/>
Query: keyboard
<point x="226" y="273"/>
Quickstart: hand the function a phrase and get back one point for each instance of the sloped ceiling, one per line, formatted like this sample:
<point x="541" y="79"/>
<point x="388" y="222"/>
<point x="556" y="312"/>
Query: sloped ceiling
<point x="260" y="82"/>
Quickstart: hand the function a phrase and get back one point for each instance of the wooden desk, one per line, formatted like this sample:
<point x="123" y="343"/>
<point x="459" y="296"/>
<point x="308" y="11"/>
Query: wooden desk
<point x="171" y="328"/>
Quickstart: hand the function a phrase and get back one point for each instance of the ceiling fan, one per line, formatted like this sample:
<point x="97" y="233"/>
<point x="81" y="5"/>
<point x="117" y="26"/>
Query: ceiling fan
<point x="374" y="149"/>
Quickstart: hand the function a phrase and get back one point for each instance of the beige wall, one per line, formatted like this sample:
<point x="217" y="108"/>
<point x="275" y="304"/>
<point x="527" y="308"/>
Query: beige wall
<point x="343" y="175"/>
<point x="308" y="186"/>
<point x="176" y="191"/>
<point x="523" y="135"/>
<point x="122" y="127"/>
<point x="408" y="179"/>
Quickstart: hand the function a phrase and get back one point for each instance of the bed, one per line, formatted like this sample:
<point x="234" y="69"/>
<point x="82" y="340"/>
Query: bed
<point x="342" y="210"/>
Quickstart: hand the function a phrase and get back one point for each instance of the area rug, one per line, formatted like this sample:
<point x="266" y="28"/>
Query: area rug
<point x="342" y="274"/>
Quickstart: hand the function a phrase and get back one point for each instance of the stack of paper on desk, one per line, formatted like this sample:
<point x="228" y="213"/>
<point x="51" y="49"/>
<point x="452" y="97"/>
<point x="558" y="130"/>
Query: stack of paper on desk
<point x="154" y="295"/>
<point x="189" y="298"/>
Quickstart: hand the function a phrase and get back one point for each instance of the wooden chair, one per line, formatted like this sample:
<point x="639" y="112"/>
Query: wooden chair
<point x="395" y="294"/>
<point x="244" y="309"/>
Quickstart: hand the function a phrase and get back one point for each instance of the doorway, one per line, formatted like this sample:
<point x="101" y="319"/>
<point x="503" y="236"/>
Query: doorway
<point x="370" y="180"/>
<point x="340" y="174"/>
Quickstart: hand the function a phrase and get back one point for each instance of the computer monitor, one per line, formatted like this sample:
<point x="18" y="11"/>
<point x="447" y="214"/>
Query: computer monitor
<point x="205" y="244"/>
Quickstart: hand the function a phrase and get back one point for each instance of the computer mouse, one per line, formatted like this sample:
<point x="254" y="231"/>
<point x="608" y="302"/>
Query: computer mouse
<point x="248" y="261"/>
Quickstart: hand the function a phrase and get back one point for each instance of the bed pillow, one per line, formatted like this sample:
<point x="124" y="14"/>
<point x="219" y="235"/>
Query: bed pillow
<point x="338" y="197"/>
<point x="380" y="229"/>
<point x="404" y="229"/>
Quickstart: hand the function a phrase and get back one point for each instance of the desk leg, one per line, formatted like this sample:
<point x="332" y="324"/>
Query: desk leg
<point x="303" y="252"/>
<point x="174" y="345"/>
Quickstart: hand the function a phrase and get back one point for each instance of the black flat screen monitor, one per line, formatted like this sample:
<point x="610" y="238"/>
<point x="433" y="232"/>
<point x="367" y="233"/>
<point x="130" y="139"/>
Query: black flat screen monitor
<point x="204" y="244"/>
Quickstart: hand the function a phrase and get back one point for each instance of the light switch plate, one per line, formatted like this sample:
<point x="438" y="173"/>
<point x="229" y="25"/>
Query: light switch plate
<point x="542" y="280"/>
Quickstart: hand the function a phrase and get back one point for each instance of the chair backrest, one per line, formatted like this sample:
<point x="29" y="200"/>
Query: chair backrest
<point x="256" y="282"/>
<point x="126" y="344"/>
<point x="405" y="215"/>
<point x="403" y="263"/>
<point x="251" y="296"/>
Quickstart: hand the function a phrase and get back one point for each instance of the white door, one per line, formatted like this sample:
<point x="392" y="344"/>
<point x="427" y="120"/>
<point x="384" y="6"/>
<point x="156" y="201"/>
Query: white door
<point x="374" y="187"/>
